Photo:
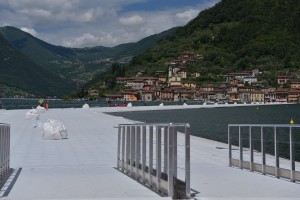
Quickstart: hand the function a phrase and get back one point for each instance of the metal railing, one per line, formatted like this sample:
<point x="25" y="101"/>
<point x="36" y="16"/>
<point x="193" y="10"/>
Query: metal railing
<point x="4" y="152"/>
<point x="140" y="157"/>
<point x="265" y="132"/>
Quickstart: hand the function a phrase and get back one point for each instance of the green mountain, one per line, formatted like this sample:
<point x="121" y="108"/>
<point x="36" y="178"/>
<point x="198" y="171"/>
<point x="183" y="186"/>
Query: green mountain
<point x="76" y="63"/>
<point x="21" y="76"/>
<point x="46" y="69"/>
<point x="234" y="35"/>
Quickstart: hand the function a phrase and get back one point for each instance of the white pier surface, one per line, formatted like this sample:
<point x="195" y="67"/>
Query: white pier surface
<point x="83" y="166"/>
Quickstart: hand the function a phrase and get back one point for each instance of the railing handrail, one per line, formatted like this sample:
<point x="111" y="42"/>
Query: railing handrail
<point x="265" y="125"/>
<point x="155" y="124"/>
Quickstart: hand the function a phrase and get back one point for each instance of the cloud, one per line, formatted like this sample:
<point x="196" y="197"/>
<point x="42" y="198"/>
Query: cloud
<point x="90" y="40"/>
<point x="82" y="23"/>
<point x="188" y="14"/>
<point x="30" y="31"/>
<point x="132" y="21"/>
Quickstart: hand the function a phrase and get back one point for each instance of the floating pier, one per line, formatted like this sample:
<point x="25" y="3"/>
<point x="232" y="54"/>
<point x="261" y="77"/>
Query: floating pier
<point x="84" y="165"/>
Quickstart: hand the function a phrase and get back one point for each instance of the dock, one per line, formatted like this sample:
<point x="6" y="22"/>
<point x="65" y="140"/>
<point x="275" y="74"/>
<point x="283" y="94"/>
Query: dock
<point x="84" y="165"/>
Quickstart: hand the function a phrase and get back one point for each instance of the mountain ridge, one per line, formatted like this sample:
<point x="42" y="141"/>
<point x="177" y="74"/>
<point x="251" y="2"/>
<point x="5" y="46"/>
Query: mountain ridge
<point x="75" y="65"/>
<point x="20" y="74"/>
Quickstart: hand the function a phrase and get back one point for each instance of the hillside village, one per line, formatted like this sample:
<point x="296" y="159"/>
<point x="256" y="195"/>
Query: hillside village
<point x="179" y="85"/>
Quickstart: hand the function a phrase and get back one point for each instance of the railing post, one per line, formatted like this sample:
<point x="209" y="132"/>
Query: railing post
<point x="292" y="155"/>
<point x="137" y="150"/>
<point x="241" y="148"/>
<point x="229" y="146"/>
<point x="4" y="150"/>
<point x="170" y="161"/>
<point x="128" y="142"/>
<point x="144" y="154"/>
<point x="8" y="148"/>
<point x="132" y="149"/>
<point x="187" y="161"/>
<point x="118" y="149"/>
<point x="166" y="130"/>
<point x="158" y="157"/>
<point x="276" y="153"/>
<point x="175" y="152"/>
<point x="123" y="148"/>
<point x="251" y="148"/>
<point x="150" y="154"/>
<point x="2" y="142"/>
<point x="263" y="153"/>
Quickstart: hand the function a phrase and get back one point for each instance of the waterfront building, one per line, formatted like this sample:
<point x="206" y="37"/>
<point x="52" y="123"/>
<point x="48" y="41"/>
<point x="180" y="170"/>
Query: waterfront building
<point x="281" y="96"/>
<point x="270" y="96"/>
<point x="245" y="96"/>
<point x="257" y="96"/>
<point x="148" y="95"/>
<point x="93" y="92"/>
<point x="130" y="95"/>
<point x="114" y="96"/>
<point x="207" y="87"/>
<point x="166" y="94"/>
<point x="189" y="84"/>
<point x="175" y="80"/>
<point x="121" y="80"/>
<point x="233" y="96"/>
<point x="238" y="76"/>
<point x="283" y="79"/>
<point x="293" y="96"/>
<point x="295" y="85"/>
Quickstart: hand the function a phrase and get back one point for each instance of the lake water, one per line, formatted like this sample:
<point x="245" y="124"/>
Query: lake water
<point x="212" y="123"/>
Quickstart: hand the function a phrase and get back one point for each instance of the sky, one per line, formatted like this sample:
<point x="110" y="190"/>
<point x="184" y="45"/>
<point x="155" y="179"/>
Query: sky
<point x="90" y="23"/>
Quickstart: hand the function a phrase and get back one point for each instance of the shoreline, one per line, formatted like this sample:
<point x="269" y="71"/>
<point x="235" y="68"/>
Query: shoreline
<point x="177" y="107"/>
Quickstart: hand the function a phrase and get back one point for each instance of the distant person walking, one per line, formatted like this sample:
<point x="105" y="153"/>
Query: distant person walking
<point x="41" y="102"/>
<point x="47" y="105"/>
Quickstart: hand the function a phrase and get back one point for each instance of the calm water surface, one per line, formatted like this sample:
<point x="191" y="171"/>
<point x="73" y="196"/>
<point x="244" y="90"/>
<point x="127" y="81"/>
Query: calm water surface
<point x="212" y="123"/>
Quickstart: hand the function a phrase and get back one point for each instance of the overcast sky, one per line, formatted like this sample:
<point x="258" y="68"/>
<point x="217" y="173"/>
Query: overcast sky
<point x="89" y="23"/>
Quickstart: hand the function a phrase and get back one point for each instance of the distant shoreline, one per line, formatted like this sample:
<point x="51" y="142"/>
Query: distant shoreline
<point x="175" y="107"/>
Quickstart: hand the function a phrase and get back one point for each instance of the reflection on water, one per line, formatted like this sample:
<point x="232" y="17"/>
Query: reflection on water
<point x="212" y="123"/>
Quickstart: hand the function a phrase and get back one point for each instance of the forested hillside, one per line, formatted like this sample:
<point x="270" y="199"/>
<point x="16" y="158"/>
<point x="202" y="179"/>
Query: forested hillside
<point x="32" y="66"/>
<point x="77" y="63"/>
<point x="234" y="35"/>
<point x="21" y="76"/>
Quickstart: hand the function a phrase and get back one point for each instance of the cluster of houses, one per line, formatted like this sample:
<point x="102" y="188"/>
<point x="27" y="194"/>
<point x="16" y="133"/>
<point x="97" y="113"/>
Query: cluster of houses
<point x="238" y="87"/>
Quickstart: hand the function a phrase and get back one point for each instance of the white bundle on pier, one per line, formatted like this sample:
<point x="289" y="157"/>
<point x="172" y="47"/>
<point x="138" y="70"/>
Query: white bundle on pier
<point x="40" y="109"/>
<point x="129" y="105"/>
<point x="31" y="114"/>
<point x="55" y="130"/>
<point x="85" y="106"/>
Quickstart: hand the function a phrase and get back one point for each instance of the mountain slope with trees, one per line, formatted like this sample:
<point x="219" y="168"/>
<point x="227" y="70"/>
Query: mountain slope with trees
<point x="21" y="76"/>
<point x="233" y="36"/>
<point x="59" y="68"/>
<point x="76" y="63"/>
